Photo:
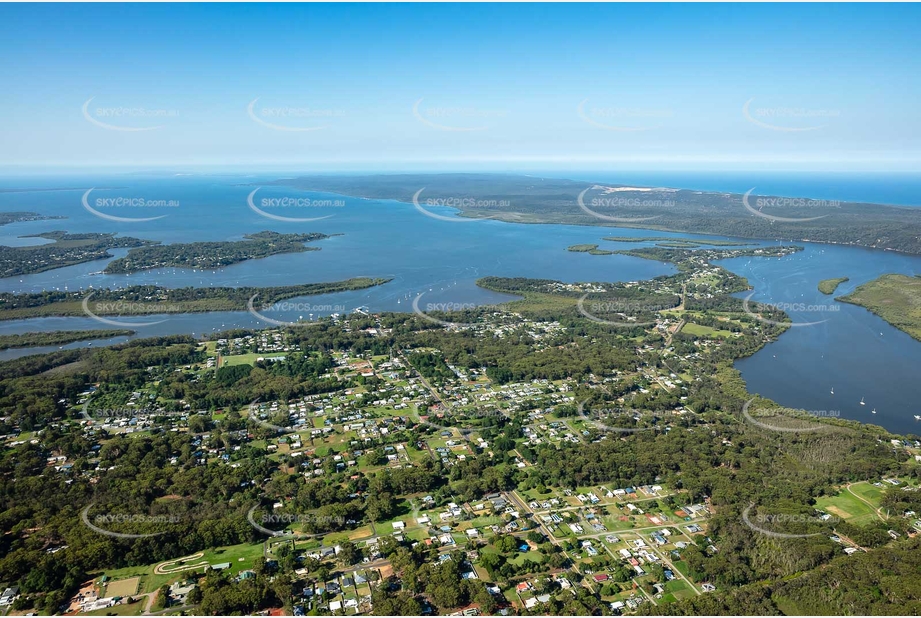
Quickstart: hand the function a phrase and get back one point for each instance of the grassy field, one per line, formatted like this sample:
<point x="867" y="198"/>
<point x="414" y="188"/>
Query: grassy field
<point x="123" y="587"/>
<point x="247" y="359"/>
<point x="849" y="507"/>
<point x="828" y="286"/>
<point x="869" y="492"/>
<point x="676" y="589"/>
<point x="150" y="580"/>
<point x="704" y="331"/>
<point x="894" y="298"/>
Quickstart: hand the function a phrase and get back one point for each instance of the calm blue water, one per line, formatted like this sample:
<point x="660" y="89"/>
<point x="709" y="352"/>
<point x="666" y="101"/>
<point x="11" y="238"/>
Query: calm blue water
<point x="850" y="350"/>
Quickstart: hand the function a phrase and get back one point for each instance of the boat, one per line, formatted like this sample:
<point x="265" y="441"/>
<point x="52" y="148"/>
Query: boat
<point x="861" y="402"/>
<point x="917" y="418"/>
<point x="832" y="390"/>
<point x="873" y="411"/>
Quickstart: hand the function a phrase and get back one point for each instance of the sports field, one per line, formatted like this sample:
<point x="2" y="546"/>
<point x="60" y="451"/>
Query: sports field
<point x="848" y="505"/>
<point x="123" y="587"/>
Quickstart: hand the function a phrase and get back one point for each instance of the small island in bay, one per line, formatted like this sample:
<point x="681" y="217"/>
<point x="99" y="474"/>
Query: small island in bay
<point x="17" y="217"/>
<point x="59" y="337"/>
<point x="660" y="241"/>
<point x="894" y="298"/>
<point x="212" y="255"/>
<point x="592" y="249"/>
<point x="828" y="286"/>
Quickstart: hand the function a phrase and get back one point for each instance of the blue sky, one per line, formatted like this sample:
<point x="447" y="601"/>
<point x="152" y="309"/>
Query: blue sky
<point x="391" y="87"/>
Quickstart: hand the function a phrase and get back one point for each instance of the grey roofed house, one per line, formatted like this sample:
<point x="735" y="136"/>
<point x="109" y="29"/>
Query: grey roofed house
<point x="9" y="595"/>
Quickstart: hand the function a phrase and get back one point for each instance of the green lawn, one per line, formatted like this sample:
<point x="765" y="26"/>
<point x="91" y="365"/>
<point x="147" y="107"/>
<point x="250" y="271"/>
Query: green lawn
<point x="681" y="566"/>
<point x="869" y="492"/>
<point x="704" y="331"/>
<point x="679" y="589"/>
<point x="150" y="581"/>
<point x="246" y="359"/>
<point x="847" y="506"/>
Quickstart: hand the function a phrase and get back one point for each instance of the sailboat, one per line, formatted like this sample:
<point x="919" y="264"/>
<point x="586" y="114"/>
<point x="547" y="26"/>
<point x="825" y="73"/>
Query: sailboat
<point x="861" y="402"/>
<point x="917" y="418"/>
<point x="832" y="390"/>
<point x="873" y="411"/>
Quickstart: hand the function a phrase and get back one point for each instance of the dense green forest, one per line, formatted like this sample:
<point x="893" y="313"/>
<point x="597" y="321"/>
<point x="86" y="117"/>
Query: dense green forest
<point x="58" y="337"/>
<point x="211" y="255"/>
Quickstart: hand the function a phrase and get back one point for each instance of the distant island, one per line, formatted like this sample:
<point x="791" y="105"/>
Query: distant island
<point x="59" y="337"/>
<point x="678" y="255"/>
<point x="16" y="217"/>
<point x="593" y="249"/>
<point x="660" y="241"/>
<point x="530" y="199"/>
<point x="212" y="255"/>
<point x="149" y="300"/>
<point x="669" y="241"/>
<point x="66" y="250"/>
<point x="828" y="286"/>
<point x="894" y="298"/>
